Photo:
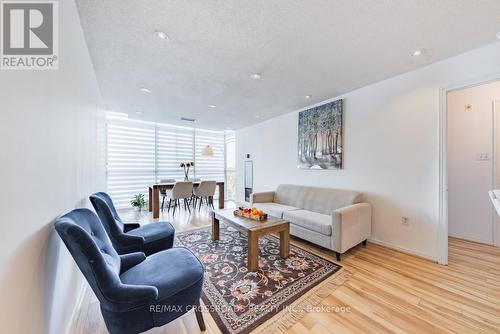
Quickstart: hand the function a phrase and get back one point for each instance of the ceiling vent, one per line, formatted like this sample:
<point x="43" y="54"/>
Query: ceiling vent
<point x="188" y="119"/>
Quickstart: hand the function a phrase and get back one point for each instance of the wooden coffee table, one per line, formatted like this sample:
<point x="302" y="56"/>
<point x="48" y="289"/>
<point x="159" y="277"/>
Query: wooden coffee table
<point x="254" y="229"/>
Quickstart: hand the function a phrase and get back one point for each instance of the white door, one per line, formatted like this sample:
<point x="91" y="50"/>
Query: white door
<point x="496" y="168"/>
<point x="470" y="162"/>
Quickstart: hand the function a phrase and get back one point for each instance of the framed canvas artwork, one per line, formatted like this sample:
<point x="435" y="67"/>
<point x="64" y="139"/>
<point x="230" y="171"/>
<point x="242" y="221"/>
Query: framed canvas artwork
<point x="320" y="137"/>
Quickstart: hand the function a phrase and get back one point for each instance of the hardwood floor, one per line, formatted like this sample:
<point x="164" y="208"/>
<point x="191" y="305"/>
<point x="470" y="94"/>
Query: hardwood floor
<point x="389" y="292"/>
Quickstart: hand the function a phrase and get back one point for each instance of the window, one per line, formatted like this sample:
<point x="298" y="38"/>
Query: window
<point x="174" y="145"/>
<point x="130" y="159"/>
<point x="209" y="168"/>
<point x="142" y="153"/>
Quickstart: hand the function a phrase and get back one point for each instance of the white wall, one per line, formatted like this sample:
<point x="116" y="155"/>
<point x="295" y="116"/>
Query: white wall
<point x="50" y="130"/>
<point x="470" y="215"/>
<point x="391" y="149"/>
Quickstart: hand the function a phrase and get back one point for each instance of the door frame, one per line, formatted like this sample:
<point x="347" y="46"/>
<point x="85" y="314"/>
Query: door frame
<point x="496" y="166"/>
<point x="442" y="246"/>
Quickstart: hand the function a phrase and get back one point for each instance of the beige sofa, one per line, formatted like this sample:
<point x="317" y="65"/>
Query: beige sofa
<point x="495" y="199"/>
<point x="333" y="218"/>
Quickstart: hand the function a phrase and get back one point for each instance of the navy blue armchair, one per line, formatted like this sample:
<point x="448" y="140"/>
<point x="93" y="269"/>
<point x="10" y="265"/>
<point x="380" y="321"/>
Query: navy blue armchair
<point x="128" y="238"/>
<point x="136" y="293"/>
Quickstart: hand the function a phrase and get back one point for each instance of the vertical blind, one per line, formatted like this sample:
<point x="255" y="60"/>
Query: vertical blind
<point x="173" y="146"/>
<point x="209" y="168"/>
<point x="142" y="153"/>
<point x="130" y="159"/>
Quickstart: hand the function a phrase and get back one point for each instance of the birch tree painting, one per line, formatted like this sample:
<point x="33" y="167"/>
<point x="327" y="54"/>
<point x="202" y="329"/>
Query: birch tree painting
<point x="320" y="137"/>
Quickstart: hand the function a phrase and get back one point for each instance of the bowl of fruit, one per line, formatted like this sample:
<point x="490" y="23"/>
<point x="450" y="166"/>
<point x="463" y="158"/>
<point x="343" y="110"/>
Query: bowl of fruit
<point x="252" y="213"/>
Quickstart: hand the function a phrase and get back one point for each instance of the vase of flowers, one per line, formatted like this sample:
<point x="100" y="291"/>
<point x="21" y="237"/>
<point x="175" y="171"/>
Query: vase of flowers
<point x="186" y="165"/>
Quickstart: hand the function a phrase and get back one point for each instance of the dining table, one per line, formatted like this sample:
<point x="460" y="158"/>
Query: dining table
<point x="155" y="189"/>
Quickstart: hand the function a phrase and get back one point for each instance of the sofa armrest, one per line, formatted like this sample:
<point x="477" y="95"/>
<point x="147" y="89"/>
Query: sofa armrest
<point x="262" y="197"/>
<point x="351" y="225"/>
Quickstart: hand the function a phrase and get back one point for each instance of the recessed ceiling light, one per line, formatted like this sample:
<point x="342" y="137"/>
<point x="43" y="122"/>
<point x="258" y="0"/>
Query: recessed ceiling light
<point x="257" y="116"/>
<point x="255" y="76"/>
<point x="418" y="52"/>
<point x="498" y="35"/>
<point x="145" y="90"/>
<point x="212" y="106"/>
<point x="161" y="34"/>
<point x="308" y="96"/>
<point x="138" y="112"/>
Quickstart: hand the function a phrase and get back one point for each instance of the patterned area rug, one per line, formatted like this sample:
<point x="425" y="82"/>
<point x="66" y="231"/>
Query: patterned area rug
<point x="273" y="298"/>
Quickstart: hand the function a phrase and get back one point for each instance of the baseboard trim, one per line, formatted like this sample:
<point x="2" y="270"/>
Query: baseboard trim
<point x="479" y="241"/>
<point x="76" y="308"/>
<point x="404" y="250"/>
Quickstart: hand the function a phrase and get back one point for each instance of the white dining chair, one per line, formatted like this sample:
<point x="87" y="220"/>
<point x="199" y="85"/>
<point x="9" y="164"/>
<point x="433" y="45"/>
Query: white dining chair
<point x="205" y="190"/>
<point x="164" y="192"/>
<point x="196" y="181"/>
<point x="180" y="191"/>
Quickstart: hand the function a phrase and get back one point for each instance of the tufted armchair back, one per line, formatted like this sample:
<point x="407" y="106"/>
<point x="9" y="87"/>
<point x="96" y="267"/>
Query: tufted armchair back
<point x="106" y="211"/>
<point x="103" y="205"/>
<point x="114" y="226"/>
<point x="88" y="243"/>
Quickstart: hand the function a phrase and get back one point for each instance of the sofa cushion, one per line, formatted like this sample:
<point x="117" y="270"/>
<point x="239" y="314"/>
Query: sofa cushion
<point x="170" y="271"/>
<point x="317" y="199"/>
<point x="274" y="209"/>
<point x="310" y="220"/>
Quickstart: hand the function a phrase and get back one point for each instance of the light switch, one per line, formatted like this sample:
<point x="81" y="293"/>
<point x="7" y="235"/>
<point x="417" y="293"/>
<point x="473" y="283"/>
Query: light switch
<point x="483" y="157"/>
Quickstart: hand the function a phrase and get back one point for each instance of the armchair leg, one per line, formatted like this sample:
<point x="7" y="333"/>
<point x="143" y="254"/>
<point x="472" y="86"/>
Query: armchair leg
<point x="199" y="318"/>
<point x="169" y="204"/>
<point x="186" y="204"/>
<point x="338" y="255"/>
<point x="364" y="243"/>
<point x="162" y="202"/>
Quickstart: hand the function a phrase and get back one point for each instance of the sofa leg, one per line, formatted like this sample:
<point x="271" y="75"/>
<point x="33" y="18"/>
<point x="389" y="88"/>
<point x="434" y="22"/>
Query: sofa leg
<point x="199" y="318"/>
<point x="338" y="256"/>
<point x="364" y="243"/>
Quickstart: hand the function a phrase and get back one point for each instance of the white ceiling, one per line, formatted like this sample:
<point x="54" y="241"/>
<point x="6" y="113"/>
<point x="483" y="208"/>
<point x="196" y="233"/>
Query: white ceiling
<point x="323" y="48"/>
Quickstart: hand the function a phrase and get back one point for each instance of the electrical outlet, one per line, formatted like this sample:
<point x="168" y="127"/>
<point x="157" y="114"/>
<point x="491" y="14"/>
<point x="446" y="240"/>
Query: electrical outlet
<point x="404" y="221"/>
